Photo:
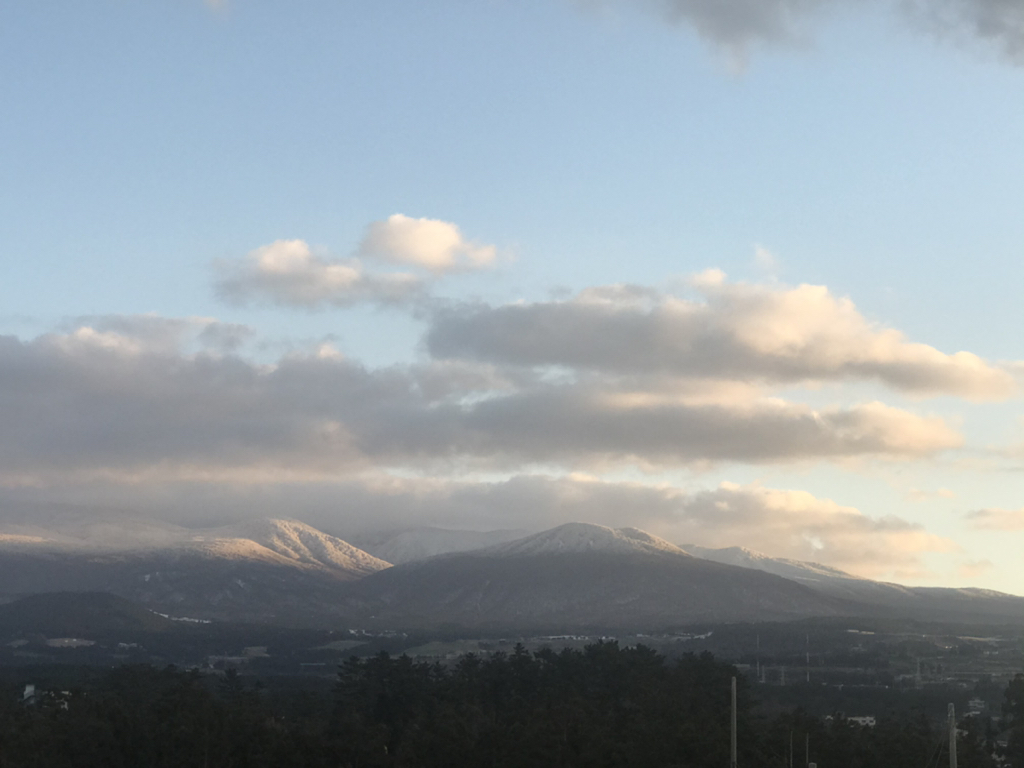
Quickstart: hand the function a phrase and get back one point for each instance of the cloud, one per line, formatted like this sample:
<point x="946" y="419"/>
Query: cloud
<point x="765" y="259"/>
<point x="573" y="426"/>
<point x="997" y="519"/>
<point x="431" y="244"/>
<point x="972" y="569"/>
<point x="753" y="333"/>
<point x="999" y="23"/>
<point x="918" y="495"/>
<point x="797" y="525"/>
<point x="168" y="334"/>
<point x="738" y="25"/>
<point x="132" y="408"/>
<point x="780" y="523"/>
<point x="287" y="273"/>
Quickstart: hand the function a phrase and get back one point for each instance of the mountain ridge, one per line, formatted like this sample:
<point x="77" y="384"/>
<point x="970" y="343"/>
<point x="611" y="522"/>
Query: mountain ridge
<point x="571" y="576"/>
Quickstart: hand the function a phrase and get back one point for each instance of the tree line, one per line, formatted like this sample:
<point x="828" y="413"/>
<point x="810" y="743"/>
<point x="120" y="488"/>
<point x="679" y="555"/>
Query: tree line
<point x="603" y="706"/>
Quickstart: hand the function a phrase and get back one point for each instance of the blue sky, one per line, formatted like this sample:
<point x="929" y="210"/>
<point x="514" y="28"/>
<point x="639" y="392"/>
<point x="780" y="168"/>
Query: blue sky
<point x="149" y="149"/>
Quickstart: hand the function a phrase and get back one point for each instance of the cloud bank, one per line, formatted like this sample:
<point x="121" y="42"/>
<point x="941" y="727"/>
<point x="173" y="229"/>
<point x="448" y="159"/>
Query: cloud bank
<point x="736" y="331"/>
<point x="111" y="404"/>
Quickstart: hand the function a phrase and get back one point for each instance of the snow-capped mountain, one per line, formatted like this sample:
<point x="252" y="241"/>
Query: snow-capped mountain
<point x="877" y="597"/>
<point x="584" y="537"/>
<point x="574" y="576"/>
<point x="286" y="541"/>
<point x="581" y="576"/>
<point x="279" y="570"/>
<point x="272" y="541"/>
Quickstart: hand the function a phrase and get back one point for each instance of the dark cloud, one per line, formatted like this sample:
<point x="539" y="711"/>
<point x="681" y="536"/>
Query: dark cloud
<point x="124" y="406"/>
<point x="737" y="25"/>
<point x="998" y="23"/>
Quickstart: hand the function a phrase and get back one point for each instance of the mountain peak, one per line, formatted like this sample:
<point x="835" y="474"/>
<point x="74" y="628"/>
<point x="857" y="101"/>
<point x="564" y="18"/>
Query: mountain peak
<point x="296" y="542"/>
<point x="585" y="537"/>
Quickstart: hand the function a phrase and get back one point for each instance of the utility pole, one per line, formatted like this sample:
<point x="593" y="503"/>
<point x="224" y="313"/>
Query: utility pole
<point x="732" y="740"/>
<point x="807" y="650"/>
<point x="952" y="737"/>
<point x="758" y="657"/>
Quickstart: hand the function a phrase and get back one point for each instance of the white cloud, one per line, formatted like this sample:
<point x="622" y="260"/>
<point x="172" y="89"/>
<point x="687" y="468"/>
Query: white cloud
<point x="288" y="273"/>
<point x="744" y="332"/>
<point x="431" y="244"/>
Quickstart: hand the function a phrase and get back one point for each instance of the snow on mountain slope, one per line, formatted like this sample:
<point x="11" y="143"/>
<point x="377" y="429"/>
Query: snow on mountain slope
<point x="291" y="541"/>
<point x="585" y="537"/>
<point x="798" y="570"/>
<point x="420" y="543"/>
<point x="884" y="598"/>
<point x="275" y="542"/>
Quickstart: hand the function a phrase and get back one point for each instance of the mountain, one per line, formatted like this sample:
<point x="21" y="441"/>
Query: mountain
<point x="877" y="598"/>
<point x="78" y="614"/>
<point x="265" y="570"/>
<point x="405" y="546"/>
<point x="584" y="537"/>
<point x="581" y="576"/>
<point x="575" y="576"/>
<point x="798" y="570"/>
<point x="271" y="541"/>
<point x="288" y="542"/>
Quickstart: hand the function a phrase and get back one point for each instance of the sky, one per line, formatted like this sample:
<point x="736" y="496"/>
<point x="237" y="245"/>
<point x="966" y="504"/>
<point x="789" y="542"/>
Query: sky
<point x="734" y="272"/>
